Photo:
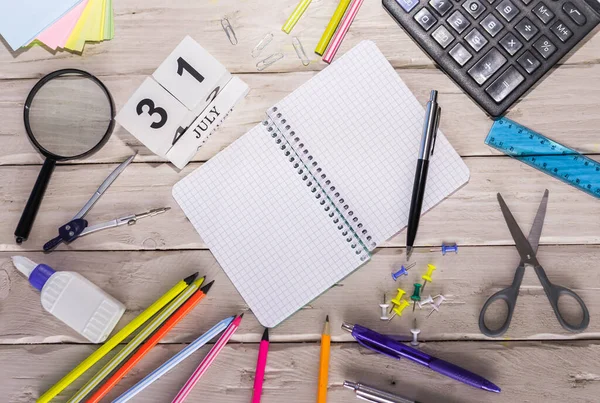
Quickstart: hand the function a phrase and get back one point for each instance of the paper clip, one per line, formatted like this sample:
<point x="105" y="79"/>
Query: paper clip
<point x="300" y="51"/>
<point x="262" y="44"/>
<point x="263" y="64"/>
<point x="229" y="31"/>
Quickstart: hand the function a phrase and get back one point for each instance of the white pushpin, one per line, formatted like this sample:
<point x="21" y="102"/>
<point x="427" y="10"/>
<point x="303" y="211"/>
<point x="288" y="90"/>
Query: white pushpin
<point x="424" y="302"/>
<point x="384" y="307"/>
<point x="436" y="305"/>
<point x="415" y="331"/>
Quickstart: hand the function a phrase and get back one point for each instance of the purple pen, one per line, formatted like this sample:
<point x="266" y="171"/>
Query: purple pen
<point x="394" y="349"/>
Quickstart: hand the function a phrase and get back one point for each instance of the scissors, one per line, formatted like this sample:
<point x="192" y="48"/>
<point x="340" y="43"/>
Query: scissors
<point x="527" y="248"/>
<point x="79" y="227"/>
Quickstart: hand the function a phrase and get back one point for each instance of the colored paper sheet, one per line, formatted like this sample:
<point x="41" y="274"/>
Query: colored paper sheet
<point x="85" y="26"/>
<point x="23" y="20"/>
<point x="56" y="34"/>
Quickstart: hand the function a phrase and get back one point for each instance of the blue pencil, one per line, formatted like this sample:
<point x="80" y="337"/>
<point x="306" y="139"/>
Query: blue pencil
<point x="173" y="361"/>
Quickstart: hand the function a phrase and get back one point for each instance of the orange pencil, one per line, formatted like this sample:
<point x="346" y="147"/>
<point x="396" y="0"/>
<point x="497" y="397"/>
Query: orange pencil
<point x="150" y="343"/>
<point x="324" y="370"/>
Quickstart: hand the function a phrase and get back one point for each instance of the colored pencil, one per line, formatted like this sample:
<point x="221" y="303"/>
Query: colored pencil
<point x="208" y="360"/>
<point x="173" y="361"/>
<point x="324" y="364"/>
<point x="295" y="16"/>
<point x="332" y="26"/>
<point x="116" y="339"/>
<point x="136" y="341"/>
<point x="342" y="31"/>
<point x="261" y="363"/>
<point x="181" y="313"/>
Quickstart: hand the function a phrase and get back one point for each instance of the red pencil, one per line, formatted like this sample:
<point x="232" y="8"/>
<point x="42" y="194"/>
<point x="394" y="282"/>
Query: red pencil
<point x="150" y="343"/>
<point x="261" y="363"/>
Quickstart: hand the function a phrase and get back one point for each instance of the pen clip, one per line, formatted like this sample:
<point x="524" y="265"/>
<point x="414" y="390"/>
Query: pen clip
<point x="437" y="127"/>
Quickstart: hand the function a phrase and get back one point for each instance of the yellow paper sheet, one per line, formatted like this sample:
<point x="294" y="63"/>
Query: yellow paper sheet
<point x="88" y="27"/>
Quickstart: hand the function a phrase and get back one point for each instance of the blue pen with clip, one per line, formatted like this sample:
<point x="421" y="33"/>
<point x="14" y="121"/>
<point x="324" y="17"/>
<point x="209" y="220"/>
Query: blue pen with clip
<point x="394" y="349"/>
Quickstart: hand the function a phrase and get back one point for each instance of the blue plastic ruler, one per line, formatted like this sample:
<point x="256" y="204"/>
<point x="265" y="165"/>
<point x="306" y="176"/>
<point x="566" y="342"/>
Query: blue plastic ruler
<point x="543" y="154"/>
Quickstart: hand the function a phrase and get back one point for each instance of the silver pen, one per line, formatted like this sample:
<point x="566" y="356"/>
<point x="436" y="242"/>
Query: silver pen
<point x="371" y="394"/>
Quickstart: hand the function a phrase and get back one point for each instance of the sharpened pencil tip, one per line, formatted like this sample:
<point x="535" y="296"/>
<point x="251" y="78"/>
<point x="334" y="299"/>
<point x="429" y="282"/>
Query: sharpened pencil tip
<point x="241" y="315"/>
<point x="265" y="336"/>
<point x="207" y="287"/>
<point x="327" y="318"/>
<point x="190" y="279"/>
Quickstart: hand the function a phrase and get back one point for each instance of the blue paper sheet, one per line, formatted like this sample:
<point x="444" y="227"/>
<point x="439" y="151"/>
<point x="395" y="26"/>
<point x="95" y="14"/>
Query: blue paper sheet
<point x="22" y="20"/>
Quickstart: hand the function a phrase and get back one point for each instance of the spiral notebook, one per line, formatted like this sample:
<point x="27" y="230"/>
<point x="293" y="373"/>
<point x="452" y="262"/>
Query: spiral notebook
<point x="301" y="200"/>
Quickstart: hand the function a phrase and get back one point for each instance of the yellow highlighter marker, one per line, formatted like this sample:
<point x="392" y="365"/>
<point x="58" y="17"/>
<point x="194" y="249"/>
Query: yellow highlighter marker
<point x="116" y="339"/>
<point x="332" y="26"/>
<point x="293" y="19"/>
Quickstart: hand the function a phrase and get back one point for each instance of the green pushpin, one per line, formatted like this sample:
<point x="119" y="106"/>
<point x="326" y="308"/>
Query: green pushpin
<point x="416" y="295"/>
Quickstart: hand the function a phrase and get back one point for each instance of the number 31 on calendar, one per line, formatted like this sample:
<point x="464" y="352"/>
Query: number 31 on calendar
<point x="178" y="91"/>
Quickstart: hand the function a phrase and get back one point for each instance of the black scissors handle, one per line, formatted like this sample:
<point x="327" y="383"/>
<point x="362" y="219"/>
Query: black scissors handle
<point x="508" y="295"/>
<point x="553" y="292"/>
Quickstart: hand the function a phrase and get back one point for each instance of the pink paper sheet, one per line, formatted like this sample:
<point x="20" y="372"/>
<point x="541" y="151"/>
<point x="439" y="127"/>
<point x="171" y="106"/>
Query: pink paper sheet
<point x="56" y="35"/>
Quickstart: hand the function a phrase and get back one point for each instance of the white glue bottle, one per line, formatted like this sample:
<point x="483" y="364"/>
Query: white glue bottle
<point x="73" y="299"/>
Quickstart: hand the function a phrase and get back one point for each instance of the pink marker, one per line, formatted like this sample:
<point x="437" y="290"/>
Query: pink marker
<point x="342" y="31"/>
<point x="261" y="363"/>
<point x="212" y="354"/>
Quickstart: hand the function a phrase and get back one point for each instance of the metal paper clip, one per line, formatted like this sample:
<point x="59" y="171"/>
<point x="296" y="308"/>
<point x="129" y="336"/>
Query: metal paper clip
<point x="262" y="44"/>
<point x="263" y="64"/>
<point x="229" y="31"/>
<point x="300" y="51"/>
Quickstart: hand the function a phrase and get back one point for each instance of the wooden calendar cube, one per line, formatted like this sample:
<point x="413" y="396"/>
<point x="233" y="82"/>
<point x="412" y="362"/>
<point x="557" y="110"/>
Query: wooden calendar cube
<point x="192" y="75"/>
<point x="153" y="116"/>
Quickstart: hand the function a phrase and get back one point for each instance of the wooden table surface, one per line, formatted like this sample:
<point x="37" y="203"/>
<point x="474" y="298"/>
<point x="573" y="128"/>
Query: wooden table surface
<point x="536" y="360"/>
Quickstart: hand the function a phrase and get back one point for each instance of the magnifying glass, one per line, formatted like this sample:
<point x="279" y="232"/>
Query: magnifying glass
<point x="68" y="114"/>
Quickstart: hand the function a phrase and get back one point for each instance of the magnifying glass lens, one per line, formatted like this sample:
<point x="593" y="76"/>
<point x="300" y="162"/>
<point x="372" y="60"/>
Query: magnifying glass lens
<point x="69" y="115"/>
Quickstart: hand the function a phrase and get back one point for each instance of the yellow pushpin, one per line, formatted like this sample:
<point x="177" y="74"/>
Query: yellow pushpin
<point x="398" y="299"/>
<point x="401" y="307"/>
<point x="427" y="275"/>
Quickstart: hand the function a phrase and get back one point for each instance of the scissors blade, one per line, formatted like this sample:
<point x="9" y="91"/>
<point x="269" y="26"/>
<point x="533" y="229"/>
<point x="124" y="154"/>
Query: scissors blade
<point x="522" y="244"/>
<point x="538" y="223"/>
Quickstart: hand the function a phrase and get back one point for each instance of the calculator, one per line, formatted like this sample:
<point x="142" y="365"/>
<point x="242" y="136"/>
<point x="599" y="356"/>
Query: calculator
<point x="496" y="50"/>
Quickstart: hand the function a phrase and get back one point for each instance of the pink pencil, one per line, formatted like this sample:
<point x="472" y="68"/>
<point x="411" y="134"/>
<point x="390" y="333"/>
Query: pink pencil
<point x="261" y="363"/>
<point x="212" y="354"/>
<point x="342" y="31"/>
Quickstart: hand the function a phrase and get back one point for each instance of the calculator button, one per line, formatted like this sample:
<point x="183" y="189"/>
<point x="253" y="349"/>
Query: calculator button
<point x="507" y="10"/>
<point x="511" y="44"/>
<point x="491" y="1"/>
<point x="505" y="84"/>
<point x="441" y="6"/>
<point x="460" y="54"/>
<point x="476" y="40"/>
<point x="575" y="14"/>
<point x="408" y="5"/>
<point x="526" y="2"/>
<point x="543" y="13"/>
<point x="527" y="29"/>
<point x="561" y="31"/>
<point x="491" y="25"/>
<point x="443" y="36"/>
<point x="544" y="47"/>
<point x="458" y="22"/>
<point x="487" y="66"/>
<point x="474" y="7"/>
<point x="529" y="62"/>
<point x="425" y="19"/>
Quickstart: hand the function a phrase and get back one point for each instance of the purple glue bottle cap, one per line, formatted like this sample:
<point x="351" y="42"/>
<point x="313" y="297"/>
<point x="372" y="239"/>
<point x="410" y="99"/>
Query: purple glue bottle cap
<point x="37" y="274"/>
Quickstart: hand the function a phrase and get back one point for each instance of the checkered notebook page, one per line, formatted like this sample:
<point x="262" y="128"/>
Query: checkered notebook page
<point x="266" y="226"/>
<point x="361" y="127"/>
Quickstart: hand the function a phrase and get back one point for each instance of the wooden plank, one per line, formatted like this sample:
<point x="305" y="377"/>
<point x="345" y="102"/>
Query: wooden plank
<point x="562" y="107"/>
<point x="466" y="279"/>
<point x="570" y="372"/>
<point x="135" y="51"/>
<point x="472" y="210"/>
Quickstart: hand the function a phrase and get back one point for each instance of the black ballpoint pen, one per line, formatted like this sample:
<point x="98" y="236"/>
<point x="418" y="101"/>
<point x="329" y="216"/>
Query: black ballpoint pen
<point x="430" y="128"/>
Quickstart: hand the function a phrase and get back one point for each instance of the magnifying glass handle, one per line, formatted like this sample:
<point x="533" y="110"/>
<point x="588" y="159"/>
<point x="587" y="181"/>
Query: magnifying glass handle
<point x="35" y="199"/>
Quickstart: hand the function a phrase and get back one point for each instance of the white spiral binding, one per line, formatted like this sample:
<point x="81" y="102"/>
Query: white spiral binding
<point x="320" y="193"/>
<point x="321" y="177"/>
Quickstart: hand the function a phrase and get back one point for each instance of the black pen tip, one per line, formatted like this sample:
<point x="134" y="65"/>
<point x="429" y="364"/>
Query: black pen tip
<point x="265" y="336"/>
<point x="327" y="318"/>
<point x="190" y="279"/>
<point x="207" y="287"/>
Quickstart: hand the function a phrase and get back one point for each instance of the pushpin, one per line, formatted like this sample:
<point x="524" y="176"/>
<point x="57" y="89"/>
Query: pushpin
<point x="384" y="307"/>
<point x="427" y="300"/>
<point x="447" y="248"/>
<point x="403" y="271"/>
<point x="427" y="275"/>
<point x="398" y="309"/>
<point x="416" y="295"/>
<point x="415" y="331"/>
<point x="398" y="299"/>
<point x="436" y="305"/>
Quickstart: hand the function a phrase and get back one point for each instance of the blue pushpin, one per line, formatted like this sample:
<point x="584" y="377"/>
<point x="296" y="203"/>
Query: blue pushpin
<point x="402" y="272"/>
<point x="449" y="248"/>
